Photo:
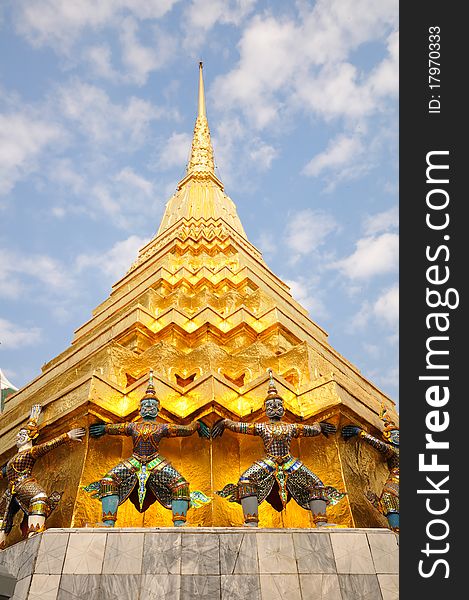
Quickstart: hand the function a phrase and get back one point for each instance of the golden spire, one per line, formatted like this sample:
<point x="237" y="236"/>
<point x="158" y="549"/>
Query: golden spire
<point x="201" y="159"/>
<point x="200" y="194"/>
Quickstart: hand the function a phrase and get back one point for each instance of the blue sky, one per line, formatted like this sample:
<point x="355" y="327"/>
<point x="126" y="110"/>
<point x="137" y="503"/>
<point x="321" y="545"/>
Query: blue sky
<point x="97" y="109"/>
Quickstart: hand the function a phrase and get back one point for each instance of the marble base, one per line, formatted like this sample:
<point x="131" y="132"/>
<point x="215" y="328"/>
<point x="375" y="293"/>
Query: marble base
<point x="205" y="563"/>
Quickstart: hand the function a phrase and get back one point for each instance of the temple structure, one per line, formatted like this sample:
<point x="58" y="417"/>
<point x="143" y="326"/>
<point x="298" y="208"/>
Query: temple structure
<point x="202" y="309"/>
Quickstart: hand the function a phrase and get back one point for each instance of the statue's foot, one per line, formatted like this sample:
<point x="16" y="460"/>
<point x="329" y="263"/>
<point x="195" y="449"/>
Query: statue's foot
<point x="326" y="524"/>
<point x="105" y="524"/>
<point x="250" y="524"/>
<point x="179" y="523"/>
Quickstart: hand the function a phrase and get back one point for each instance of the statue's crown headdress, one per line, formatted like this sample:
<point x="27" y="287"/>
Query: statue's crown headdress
<point x="150" y="393"/>
<point x="272" y="390"/>
<point x="32" y="425"/>
<point x="389" y="424"/>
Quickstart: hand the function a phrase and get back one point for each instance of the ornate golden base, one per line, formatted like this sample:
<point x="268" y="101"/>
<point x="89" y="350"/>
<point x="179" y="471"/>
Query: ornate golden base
<point x="319" y="518"/>
<point x="179" y="517"/>
<point x="34" y="529"/>
<point x="110" y="516"/>
<point x="251" y="518"/>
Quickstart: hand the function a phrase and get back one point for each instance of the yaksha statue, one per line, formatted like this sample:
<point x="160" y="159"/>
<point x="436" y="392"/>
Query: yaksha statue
<point x="278" y="475"/>
<point x="388" y="502"/>
<point x="146" y="476"/>
<point x="24" y="492"/>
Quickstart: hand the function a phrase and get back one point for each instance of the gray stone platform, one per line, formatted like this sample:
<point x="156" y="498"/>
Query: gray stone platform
<point x="205" y="564"/>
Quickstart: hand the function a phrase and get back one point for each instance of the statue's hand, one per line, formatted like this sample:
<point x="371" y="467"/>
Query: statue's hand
<point x="97" y="429"/>
<point x="218" y="428"/>
<point x="349" y="431"/>
<point x="76" y="434"/>
<point x="203" y="430"/>
<point x="327" y="428"/>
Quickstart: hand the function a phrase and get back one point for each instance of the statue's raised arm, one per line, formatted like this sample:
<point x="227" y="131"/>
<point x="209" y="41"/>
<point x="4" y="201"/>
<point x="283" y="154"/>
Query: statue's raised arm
<point x="278" y="475"/>
<point x="24" y="492"/>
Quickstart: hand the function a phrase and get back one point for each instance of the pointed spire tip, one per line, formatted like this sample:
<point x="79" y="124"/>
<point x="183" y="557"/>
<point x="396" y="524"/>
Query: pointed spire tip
<point x="201" y="103"/>
<point x="201" y="157"/>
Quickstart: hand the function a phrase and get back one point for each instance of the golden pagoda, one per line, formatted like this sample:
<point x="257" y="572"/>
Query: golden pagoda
<point x="202" y="309"/>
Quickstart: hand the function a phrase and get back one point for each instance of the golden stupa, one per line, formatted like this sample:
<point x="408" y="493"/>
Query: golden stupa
<point x="202" y="309"/>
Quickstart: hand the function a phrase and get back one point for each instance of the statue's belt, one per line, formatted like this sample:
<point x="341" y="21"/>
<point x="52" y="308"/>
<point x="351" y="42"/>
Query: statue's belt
<point x="285" y="463"/>
<point x="136" y="464"/>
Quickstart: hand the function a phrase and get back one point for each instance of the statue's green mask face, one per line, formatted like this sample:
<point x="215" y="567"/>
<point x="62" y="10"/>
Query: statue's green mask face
<point x="394" y="437"/>
<point x="149" y="408"/>
<point x="274" y="409"/>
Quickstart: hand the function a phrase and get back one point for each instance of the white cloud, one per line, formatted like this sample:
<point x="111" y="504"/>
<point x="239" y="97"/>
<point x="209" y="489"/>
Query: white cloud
<point x="340" y="151"/>
<point x="139" y="60"/>
<point x="275" y="70"/>
<point x="383" y="221"/>
<point x="391" y="377"/>
<point x="269" y="50"/>
<point x="384" y="311"/>
<point x="23" y="270"/>
<point x="63" y="172"/>
<point x="277" y="77"/>
<point x="337" y="91"/>
<point x="262" y="155"/>
<point x="15" y="336"/>
<point x="22" y="140"/>
<point x="360" y="319"/>
<point x="387" y="379"/>
<point x="240" y="152"/>
<point x="175" y="151"/>
<point x="11" y="289"/>
<point x="266" y="243"/>
<point x="384" y="80"/>
<point x="386" y="307"/>
<point x="202" y="15"/>
<point x="338" y="26"/>
<point x="129" y="177"/>
<point x="230" y="135"/>
<point x="374" y="255"/>
<point x="307" y="230"/>
<point x="100" y="59"/>
<point x="116" y="261"/>
<point x="126" y="199"/>
<point x="59" y="23"/>
<point x="103" y="121"/>
<point x="306" y="294"/>
<point x="372" y="350"/>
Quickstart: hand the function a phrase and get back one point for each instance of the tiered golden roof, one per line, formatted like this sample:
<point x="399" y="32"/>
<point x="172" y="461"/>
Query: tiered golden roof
<point x="202" y="309"/>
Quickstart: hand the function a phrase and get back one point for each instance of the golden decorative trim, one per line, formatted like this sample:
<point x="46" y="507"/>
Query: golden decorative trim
<point x="179" y="517"/>
<point x="251" y="518"/>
